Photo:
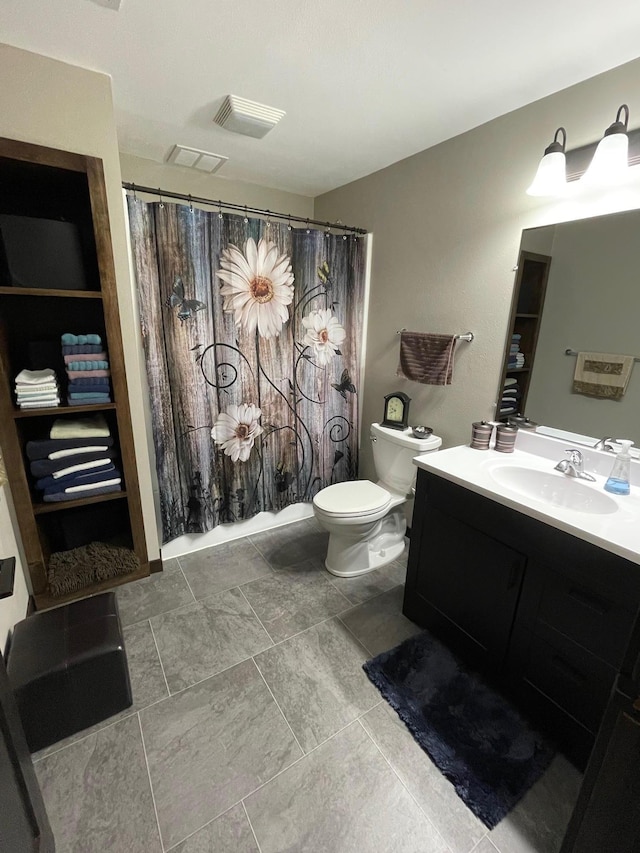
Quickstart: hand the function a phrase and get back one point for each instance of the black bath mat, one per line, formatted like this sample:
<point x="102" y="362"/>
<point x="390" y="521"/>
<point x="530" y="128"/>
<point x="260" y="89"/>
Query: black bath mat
<point x="473" y="735"/>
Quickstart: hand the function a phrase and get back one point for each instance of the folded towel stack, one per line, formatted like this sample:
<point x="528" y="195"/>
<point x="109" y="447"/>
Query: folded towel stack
<point x="75" y="461"/>
<point x="87" y="369"/>
<point x="510" y="397"/>
<point x="516" y="358"/>
<point x="37" y="389"/>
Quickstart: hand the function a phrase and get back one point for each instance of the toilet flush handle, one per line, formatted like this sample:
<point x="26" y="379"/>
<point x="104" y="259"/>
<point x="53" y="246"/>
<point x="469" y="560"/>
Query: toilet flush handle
<point x="373" y="438"/>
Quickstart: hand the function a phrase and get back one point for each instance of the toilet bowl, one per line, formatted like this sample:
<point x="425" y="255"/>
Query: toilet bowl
<point x="365" y="520"/>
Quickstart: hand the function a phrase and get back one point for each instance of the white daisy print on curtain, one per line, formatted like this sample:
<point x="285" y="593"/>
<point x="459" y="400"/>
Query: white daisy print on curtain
<point x="324" y="334"/>
<point x="258" y="286"/>
<point x="237" y="429"/>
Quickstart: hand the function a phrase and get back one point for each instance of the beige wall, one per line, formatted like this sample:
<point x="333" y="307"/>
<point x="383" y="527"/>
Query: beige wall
<point x="447" y="225"/>
<point x="62" y="106"/>
<point x="179" y="179"/>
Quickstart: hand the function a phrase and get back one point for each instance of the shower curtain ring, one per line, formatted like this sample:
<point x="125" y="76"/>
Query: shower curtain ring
<point x="220" y="210"/>
<point x="133" y="187"/>
<point x="308" y="229"/>
<point x="161" y="203"/>
<point x="246" y="218"/>
<point x="268" y="219"/>
<point x="289" y="226"/>
<point x="190" y="204"/>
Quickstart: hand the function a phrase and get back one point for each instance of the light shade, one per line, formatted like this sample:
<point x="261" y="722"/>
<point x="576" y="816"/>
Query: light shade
<point x="610" y="162"/>
<point x="551" y="177"/>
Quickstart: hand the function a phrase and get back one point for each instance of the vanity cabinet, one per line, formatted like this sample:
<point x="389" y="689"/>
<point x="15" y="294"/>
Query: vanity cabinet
<point x="542" y="613"/>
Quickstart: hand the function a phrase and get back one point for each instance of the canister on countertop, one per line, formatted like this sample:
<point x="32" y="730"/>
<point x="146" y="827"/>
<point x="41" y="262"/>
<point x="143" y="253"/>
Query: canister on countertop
<point x="481" y="433"/>
<point x="506" y="438"/>
<point x="521" y="422"/>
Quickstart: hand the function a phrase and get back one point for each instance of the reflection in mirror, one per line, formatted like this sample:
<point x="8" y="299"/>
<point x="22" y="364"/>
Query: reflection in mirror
<point x="592" y="304"/>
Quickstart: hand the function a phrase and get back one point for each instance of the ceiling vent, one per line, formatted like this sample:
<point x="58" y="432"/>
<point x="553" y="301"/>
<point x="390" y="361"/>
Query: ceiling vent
<point x="109" y="4"/>
<point x="247" y="117"/>
<point x="205" y="161"/>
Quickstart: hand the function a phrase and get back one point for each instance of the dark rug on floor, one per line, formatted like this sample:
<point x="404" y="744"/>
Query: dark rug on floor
<point x="473" y="735"/>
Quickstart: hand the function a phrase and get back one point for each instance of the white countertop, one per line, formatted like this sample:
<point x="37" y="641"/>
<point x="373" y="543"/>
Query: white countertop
<point x="617" y="532"/>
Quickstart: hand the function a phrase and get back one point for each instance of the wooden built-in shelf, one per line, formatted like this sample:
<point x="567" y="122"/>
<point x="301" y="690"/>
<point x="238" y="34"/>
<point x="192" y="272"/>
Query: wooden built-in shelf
<point x="44" y="601"/>
<point x="43" y="291"/>
<point x="518" y="369"/>
<point x="58" y="506"/>
<point x="62" y="410"/>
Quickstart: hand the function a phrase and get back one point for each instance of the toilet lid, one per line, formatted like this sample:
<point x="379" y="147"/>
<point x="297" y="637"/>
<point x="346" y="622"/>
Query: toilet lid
<point x="358" y="497"/>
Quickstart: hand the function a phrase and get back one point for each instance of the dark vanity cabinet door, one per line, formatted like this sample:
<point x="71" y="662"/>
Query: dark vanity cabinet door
<point x="461" y="583"/>
<point x="543" y="612"/>
<point x="607" y="815"/>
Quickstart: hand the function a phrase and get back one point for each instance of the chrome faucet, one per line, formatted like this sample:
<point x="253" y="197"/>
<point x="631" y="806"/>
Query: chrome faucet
<point x="574" y="466"/>
<point x="604" y="444"/>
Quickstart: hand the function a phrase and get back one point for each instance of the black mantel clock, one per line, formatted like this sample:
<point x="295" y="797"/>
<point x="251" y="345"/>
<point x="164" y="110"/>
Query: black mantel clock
<point x="396" y="410"/>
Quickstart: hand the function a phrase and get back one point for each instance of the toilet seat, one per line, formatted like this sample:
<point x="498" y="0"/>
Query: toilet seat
<point x="353" y="499"/>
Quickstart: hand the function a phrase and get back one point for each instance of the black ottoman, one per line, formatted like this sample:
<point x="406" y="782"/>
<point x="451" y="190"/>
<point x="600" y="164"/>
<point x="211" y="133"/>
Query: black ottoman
<point x="68" y="669"/>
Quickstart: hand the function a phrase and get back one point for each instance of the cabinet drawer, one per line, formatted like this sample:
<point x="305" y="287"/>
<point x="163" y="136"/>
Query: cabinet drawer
<point x="577" y="681"/>
<point x="589" y="617"/>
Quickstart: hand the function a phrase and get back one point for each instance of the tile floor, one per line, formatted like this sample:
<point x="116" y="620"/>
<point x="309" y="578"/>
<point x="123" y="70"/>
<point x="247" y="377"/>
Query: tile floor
<point x="255" y="730"/>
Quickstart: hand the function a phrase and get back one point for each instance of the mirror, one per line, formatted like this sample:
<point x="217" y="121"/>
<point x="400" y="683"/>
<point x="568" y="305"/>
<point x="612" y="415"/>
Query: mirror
<point x="592" y="304"/>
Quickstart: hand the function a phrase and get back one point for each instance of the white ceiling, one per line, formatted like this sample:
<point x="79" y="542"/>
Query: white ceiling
<point x="364" y="82"/>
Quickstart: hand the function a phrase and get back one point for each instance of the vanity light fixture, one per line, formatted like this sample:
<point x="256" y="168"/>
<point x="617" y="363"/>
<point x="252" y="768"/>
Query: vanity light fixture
<point x="610" y="162"/>
<point x="551" y="177"/>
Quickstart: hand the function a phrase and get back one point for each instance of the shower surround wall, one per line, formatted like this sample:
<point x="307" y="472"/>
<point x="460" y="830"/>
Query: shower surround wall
<point x="252" y="333"/>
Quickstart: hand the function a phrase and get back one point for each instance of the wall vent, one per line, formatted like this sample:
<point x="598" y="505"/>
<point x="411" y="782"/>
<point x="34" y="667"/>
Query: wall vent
<point x="247" y="117"/>
<point x="194" y="158"/>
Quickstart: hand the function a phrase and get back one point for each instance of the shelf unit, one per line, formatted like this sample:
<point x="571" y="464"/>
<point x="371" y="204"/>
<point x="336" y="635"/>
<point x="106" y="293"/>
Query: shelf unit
<point x="526" y="314"/>
<point x="51" y="184"/>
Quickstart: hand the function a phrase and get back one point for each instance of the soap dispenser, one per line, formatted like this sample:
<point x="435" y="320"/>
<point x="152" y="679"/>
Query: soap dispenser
<point x="618" y="482"/>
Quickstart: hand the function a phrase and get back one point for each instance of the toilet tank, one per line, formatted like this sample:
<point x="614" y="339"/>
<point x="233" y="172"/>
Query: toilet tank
<point x="393" y="453"/>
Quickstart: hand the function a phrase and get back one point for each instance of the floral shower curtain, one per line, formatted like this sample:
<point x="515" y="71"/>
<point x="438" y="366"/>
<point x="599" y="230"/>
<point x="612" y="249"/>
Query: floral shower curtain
<point x="252" y="331"/>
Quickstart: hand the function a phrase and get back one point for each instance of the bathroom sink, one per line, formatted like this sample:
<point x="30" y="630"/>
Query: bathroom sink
<point x="554" y="489"/>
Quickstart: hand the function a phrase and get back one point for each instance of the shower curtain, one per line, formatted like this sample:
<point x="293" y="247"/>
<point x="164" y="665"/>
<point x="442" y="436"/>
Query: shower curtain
<point x="252" y="332"/>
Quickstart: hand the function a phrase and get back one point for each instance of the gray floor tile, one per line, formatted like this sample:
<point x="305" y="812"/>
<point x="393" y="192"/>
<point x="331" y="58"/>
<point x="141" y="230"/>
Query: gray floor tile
<point x="539" y="821"/>
<point x="97" y="793"/>
<point x="211" y="745"/>
<point x="290" y="600"/>
<point x="436" y="795"/>
<point x="364" y="587"/>
<point x="207" y="636"/>
<point x="379" y="623"/>
<point x="148" y="684"/>
<point x="342" y="798"/>
<point x="229" y="833"/>
<point x="292" y="543"/>
<point x="223" y="567"/>
<point x="485" y="846"/>
<point x="158" y="593"/>
<point x="318" y="681"/>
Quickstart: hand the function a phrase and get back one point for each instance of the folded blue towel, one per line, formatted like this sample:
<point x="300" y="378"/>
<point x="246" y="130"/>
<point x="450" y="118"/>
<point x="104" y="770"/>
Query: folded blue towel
<point x="88" y="365"/>
<point x="81" y="478"/>
<point x="84" y="349"/>
<point x="44" y="467"/>
<point x="515" y="336"/>
<point x="88" y="395"/>
<point x="42" y="448"/>
<point x="74" y="496"/>
<point x="81" y="400"/>
<point x="98" y="480"/>
<point x="80" y="340"/>
<point x="96" y="382"/>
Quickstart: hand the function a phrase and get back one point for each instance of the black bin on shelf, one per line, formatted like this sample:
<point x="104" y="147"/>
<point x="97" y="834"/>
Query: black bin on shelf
<point x="68" y="669"/>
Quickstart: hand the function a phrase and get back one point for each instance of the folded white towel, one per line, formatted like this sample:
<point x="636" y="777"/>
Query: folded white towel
<point x="35" y="377"/>
<point x="35" y="390"/>
<point x="41" y="404"/>
<point x="32" y="398"/>
<point x="95" y="427"/>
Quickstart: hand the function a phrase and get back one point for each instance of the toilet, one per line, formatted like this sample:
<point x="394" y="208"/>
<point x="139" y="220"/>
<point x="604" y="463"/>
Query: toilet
<point x="365" y="521"/>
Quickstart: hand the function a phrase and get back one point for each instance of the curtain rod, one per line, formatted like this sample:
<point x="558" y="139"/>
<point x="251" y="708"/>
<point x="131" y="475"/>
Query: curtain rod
<point x="243" y="208"/>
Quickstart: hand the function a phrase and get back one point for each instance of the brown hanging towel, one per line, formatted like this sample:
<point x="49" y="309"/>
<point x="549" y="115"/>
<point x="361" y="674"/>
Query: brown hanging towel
<point x="426" y="357"/>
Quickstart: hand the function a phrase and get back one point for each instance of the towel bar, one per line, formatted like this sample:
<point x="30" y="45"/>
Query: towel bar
<point x="570" y="351"/>
<point x="468" y="336"/>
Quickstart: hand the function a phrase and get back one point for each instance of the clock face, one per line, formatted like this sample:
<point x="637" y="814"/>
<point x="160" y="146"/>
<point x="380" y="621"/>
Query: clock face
<point x="395" y="409"/>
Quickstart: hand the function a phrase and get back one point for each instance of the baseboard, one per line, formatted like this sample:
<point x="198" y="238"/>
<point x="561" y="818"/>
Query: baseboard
<point x="155" y="566"/>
